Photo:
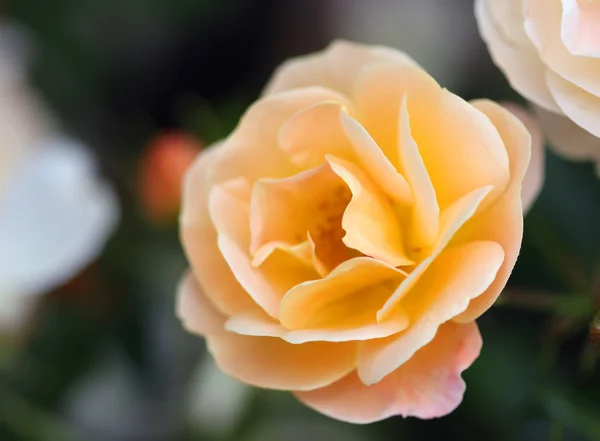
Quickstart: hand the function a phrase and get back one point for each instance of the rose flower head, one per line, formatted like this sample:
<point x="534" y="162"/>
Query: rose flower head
<point x="549" y="51"/>
<point x="345" y="237"/>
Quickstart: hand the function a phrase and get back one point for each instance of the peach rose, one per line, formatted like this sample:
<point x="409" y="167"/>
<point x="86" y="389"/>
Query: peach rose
<point x="345" y="237"/>
<point x="550" y="52"/>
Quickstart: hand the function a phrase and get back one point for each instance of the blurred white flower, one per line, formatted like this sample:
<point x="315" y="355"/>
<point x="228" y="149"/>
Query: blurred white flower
<point x="55" y="211"/>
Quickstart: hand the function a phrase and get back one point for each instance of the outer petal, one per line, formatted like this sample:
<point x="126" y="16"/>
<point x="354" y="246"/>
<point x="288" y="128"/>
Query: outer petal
<point x="55" y="216"/>
<point x="275" y="364"/>
<point x="519" y="62"/>
<point x="459" y="274"/>
<point x="568" y="139"/>
<point x="580" y="31"/>
<point x="335" y="68"/>
<point x="250" y="152"/>
<point x="502" y="222"/>
<point x="534" y="178"/>
<point x="195" y="311"/>
<point x="582" y="107"/>
<point x="427" y="386"/>
<point x="343" y="305"/>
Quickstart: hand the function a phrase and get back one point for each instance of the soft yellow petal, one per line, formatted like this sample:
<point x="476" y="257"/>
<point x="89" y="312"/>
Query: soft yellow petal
<point x="231" y="197"/>
<point x="302" y="305"/>
<point x="429" y="385"/>
<point x="452" y="219"/>
<point x="285" y="209"/>
<point x="272" y="363"/>
<point x="374" y="161"/>
<point x="372" y="227"/>
<point x="461" y="149"/>
<point x="310" y="134"/>
<point x="199" y="240"/>
<point x="459" y="274"/>
<point x="268" y="283"/>
<point x="503" y="221"/>
<point x="250" y="152"/>
<point x="425" y="215"/>
<point x="336" y="67"/>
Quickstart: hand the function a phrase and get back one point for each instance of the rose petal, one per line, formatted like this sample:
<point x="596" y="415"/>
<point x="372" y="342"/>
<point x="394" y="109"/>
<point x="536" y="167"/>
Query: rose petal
<point x="199" y="239"/>
<point x="267" y="284"/>
<point x="429" y="385"/>
<point x="250" y="152"/>
<point x="275" y="364"/>
<point x="425" y="211"/>
<point x="285" y="209"/>
<point x="380" y="169"/>
<point x="503" y="221"/>
<point x="520" y="63"/>
<point x="301" y="305"/>
<point x="579" y="30"/>
<point x="534" y="178"/>
<point x="372" y="227"/>
<point x="196" y="312"/>
<point x="453" y="218"/>
<point x="232" y="196"/>
<point x="543" y="25"/>
<point x="310" y="134"/>
<point x="459" y="274"/>
<point x="461" y="149"/>
<point x="336" y="67"/>
<point x="582" y="107"/>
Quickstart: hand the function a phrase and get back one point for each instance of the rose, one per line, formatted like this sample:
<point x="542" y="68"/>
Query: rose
<point x="550" y="52"/>
<point x="344" y="238"/>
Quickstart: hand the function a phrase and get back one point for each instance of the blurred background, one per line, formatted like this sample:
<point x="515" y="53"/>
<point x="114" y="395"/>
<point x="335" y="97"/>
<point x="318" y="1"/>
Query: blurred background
<point x="121" y="95"/>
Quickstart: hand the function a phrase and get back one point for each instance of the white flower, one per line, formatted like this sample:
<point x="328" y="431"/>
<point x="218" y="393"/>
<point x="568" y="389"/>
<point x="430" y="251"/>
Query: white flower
<point x="55" y="211"/>
<point x="550" y="52"/>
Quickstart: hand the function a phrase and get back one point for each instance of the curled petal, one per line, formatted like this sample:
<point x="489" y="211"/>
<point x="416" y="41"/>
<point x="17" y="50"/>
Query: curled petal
<point x="275" y="364"/>
<point x="429" y="385"/>
<point x="459" y="274"/>
<point x="453" y="218"/>
<point x="372" y="227"/>
<point x="303" y="305"/>
<point x="375" y="162"/>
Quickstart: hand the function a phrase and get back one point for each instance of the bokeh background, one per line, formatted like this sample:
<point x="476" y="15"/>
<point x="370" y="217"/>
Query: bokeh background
<point x="145" y="84"/>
